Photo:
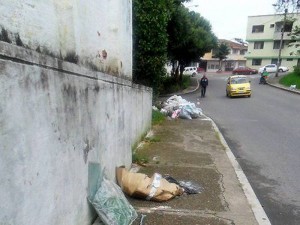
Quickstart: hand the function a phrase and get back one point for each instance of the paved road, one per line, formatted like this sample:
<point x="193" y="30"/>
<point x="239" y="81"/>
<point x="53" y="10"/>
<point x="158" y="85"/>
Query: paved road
<point x="264" y="134"/>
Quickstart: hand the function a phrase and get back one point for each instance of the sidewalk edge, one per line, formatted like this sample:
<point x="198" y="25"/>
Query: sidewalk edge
<point x="255" y="205"/>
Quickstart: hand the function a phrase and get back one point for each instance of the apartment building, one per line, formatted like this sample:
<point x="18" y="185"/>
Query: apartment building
<point x="264" y="35"/>
<point x="235" y="58"/>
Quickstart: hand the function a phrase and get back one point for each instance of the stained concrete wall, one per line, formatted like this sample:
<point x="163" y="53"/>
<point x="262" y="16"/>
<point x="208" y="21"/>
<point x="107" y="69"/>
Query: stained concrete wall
<point x="55" y="119"/>
<point x="61" y="123"/>
<point x="97" y="32"/>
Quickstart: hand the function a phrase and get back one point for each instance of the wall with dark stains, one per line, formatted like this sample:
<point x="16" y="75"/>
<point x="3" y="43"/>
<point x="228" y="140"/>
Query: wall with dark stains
<point x="95" y="34"/>
<point x="56" y="120"/>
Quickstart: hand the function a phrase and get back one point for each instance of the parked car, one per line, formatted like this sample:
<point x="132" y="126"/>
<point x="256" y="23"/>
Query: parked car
<point x="244" y="70"/>
<point x="272" y="68"/>
<point x="190" y="71"/>
<point x="238" y="85"/>
<point x="200" y="70"/>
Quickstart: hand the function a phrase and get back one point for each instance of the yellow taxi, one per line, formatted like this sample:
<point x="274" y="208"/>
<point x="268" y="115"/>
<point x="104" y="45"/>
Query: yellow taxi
<point x="238" y="85"/>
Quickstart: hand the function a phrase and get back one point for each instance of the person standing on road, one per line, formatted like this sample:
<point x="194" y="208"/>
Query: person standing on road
<point x="203" y="84"/>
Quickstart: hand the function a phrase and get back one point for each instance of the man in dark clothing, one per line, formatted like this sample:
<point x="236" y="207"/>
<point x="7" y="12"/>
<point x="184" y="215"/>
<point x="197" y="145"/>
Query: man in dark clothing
<point x="203" y="84"/>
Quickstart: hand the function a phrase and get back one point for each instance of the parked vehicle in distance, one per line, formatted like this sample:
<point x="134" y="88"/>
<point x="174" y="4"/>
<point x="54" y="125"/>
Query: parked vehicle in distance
<point x="190" y="71"/>
<point x="200" y="70"/>
<point x="238" y="85"/>
<point x="244" y="70"/>
<point x="272" y="68"/>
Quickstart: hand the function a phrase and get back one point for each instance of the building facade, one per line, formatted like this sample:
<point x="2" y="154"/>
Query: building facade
<point x="235" y="58"/>
<point x="264" y="35"/>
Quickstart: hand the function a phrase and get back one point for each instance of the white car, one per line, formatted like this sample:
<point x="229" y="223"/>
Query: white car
<point x="190" y="71"/>
<point x="272" y="68"/>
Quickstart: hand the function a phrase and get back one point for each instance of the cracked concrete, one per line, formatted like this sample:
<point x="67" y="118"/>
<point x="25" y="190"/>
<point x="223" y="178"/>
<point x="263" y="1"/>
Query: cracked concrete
<point x="191" y="150"/>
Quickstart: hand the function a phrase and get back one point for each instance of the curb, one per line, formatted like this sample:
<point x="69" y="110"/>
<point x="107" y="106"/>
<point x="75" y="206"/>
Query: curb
<point x="258" y="211"/>
<point x="284" y="88"/>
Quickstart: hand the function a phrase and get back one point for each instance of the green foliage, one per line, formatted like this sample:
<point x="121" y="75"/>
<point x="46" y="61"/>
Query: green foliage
<point x="291" y="79"/>
<point x="295" y="40"/>
<point x="150" y="18"/>
<point x="139" y="159"/>
<point x="221" y="51"/>
<point x="297" y="70"/>
<point x="165" y="29"/>
<point x="190" y="36"/>
<point x="157" y="117"/>
<point x="170" y="84"/>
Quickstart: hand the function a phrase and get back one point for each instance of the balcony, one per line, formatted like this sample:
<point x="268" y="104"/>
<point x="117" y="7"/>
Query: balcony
<point x="277" y="36"/>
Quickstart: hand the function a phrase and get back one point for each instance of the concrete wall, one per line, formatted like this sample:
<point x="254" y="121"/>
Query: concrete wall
<point x="56" y="118"/>
<point x="62" y="124"/>
<point x="98" y="31"/>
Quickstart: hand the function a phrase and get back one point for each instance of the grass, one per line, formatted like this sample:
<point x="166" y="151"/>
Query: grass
<point x="157" y="117"/>
<point x="291" y="79"/>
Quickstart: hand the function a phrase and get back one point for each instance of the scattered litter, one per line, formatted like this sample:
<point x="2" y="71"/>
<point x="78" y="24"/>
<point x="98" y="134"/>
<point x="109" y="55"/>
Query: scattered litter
<point x="155" y="108"/>
<point x="140" y="185"/>
<point x="177" y="107"/>
<point x="293" y="87"/>
<point x="111" y="205"/>
<point x="188" y="186"/>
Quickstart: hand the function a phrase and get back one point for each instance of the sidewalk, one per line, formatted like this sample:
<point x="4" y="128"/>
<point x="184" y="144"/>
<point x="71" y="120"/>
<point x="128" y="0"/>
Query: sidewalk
<point x="193" y="150"/>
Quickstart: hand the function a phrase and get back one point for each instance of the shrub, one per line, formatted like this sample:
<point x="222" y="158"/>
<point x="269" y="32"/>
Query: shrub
<point x="297" y="70"/>
<point x="157" y="117"/>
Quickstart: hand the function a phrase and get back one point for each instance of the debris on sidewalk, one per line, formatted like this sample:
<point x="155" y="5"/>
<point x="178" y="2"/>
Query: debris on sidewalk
<point x="154" y="188"/>
<point x="188" y="186"/>
<point x="176" y="106"/>
<point x="111" y="205"/>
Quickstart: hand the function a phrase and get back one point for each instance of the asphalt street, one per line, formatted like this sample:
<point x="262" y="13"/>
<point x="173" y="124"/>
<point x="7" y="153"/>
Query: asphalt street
<point x="263" y="133"/>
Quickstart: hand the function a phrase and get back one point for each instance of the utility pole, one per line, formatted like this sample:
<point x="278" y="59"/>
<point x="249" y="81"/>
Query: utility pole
<point x="281" y="42"/>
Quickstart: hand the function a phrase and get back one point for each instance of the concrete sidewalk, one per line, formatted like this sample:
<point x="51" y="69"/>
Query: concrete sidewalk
<point x="194" y="150"/>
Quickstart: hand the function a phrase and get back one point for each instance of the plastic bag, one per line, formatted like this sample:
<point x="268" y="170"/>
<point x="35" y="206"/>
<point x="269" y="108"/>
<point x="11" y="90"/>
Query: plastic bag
<point x="188" y="186"/>
<point x="184" y="114"/>
<point x="112" y="206"/>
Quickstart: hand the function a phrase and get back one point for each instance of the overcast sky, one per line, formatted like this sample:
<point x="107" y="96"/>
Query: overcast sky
<point x="229" y="17"/>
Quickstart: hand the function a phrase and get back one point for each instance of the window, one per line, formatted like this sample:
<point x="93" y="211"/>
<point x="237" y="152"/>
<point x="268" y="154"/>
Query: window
<point x="258" y="29"/>
<point x="243" y="52"/>
<point x="258" y="45"/>
<point x="272" y="25"/>
<point x="256" y="62"/>
<point x="235" y="51"/>
<point x="276" y="45"/>
<point x="274" y="61"/>
<point x="289" y="59"/>
<point x="287" y="28"/>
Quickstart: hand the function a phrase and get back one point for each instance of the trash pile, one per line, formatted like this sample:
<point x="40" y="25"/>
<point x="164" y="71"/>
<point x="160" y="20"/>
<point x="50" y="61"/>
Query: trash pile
<point x="112" y="206"/>
<point x="154" y="188"/>
<point x="177" y="107"/>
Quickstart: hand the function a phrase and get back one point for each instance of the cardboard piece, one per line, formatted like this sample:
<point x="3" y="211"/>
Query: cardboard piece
<point x="153" y="188"/>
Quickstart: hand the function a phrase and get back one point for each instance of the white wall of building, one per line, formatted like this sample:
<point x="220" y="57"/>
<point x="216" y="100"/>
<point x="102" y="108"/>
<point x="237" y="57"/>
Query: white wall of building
<point x="59" y="119"/>
<point x="270" y="34"/>
<point x="86" y="28"/>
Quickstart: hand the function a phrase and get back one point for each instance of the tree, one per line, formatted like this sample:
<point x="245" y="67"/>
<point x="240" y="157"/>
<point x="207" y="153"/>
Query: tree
<point x="295" y="40"/>
<point x="190" y="37"/>
<point x="165" y="28"/>
<point x="221" y="52"/>
<point x="150" y="18"/>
